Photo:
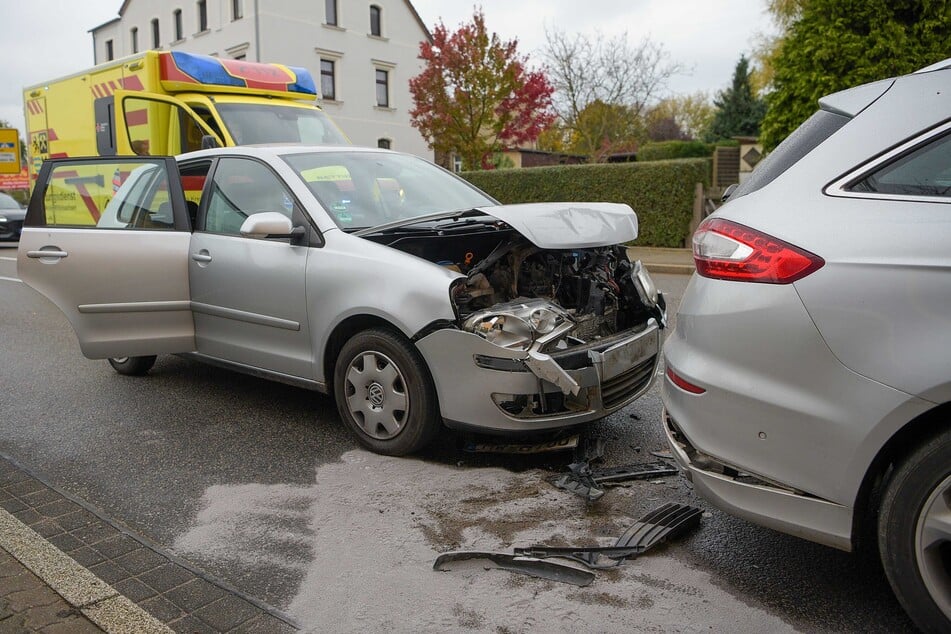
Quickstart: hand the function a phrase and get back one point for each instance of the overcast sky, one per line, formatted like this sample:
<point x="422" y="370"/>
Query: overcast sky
<point x="43" y="39"/>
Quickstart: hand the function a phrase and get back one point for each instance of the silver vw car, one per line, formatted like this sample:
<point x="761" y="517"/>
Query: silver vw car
<point x="808" y="379"/>
<point x="412" y="297"/>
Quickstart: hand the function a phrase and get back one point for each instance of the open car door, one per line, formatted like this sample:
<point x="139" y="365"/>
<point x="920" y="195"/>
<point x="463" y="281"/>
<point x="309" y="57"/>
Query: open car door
<point x="106" y="240"/>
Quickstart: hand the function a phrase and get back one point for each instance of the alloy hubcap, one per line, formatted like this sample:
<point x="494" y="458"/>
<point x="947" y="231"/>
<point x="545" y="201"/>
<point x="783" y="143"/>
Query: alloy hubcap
<point x="376" y="395"/>
<point x="933" y="545"/>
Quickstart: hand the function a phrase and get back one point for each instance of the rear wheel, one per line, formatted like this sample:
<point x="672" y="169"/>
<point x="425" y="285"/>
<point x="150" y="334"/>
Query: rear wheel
<point x="132" y="366"/>
<point x="914" y="534"/>
<point x="384" y="393"/>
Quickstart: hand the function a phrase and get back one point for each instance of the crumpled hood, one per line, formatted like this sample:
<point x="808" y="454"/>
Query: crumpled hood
<point x="569" y="225"/>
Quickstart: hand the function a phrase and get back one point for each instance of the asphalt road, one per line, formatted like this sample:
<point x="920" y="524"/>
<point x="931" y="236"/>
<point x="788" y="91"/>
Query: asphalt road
<point x="154" y="453"/>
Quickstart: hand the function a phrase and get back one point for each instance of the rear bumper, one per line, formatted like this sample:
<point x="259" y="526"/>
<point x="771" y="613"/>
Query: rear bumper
<point x="486" y="388"/>
<point x="759" y="501"/>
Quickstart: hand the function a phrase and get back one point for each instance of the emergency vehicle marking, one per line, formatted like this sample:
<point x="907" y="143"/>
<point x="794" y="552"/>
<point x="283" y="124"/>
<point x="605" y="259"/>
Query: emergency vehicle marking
<point x="35" y="106"/>
<point x="105" y="89"/>
<point x="84" y="194"/>
<point x="137" y="117"/>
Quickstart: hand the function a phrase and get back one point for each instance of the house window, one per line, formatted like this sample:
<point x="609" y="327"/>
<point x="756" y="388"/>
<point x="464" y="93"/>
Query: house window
<point x="109" y="52"/>
<point x="236" y="10"/>
<point x="134" y="36"/>
<point x="156" y="41"/>
<point x="202" y="16"/>
<point x="383" y="88"/>
<point x="383" y="143"/>
<point x="177" y="19"/>
<point x="327" y="84"/>
<point x="331" y="6"/>
<point x="375" y="27"/>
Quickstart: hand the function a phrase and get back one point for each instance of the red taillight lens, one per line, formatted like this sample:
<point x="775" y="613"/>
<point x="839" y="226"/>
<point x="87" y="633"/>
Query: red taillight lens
<point x="726" y="250"/>
<point x="683" y="383"/>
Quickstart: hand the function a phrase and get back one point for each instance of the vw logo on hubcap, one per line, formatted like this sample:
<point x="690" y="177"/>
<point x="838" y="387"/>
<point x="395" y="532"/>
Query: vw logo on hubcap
<point x="375" y="394"/>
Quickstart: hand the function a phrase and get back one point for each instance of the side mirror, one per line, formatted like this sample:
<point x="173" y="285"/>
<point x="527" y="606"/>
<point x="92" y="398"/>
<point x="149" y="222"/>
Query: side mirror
<point x="208" y="142"/>
<point x="269" y="224"/>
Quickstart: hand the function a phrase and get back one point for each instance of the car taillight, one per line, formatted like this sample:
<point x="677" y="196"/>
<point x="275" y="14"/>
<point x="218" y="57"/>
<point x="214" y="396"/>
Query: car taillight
<point x="725" y="250"/>
<point x="683" y="383"/>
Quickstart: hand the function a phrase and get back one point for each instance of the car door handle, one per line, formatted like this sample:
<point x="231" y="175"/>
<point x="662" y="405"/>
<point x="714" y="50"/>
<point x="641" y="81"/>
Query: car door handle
<point x="202" y="256"/>
<point x="43" y="253"/>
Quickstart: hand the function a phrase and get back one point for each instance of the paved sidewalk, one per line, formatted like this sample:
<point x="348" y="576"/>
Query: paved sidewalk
<point x="27" y="604"/>
<point x="658" y="260"/>
<point x="65" y="567"/>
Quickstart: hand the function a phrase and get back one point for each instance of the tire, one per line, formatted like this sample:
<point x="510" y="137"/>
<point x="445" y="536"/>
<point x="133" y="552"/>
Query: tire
<point x="914" y="533"/>
<point x="384" y="393"/>
<point x="132" y="366"/>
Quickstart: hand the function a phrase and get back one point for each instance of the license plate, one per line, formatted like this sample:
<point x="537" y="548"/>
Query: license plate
<point x="625" y="355"/>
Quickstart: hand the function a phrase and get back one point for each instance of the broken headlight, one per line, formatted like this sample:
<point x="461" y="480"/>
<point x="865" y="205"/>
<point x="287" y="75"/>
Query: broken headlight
<point x="517" y="325"/>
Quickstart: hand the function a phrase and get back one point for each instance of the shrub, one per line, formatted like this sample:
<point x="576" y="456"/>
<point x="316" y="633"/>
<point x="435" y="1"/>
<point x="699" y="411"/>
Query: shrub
<point x="664" y="150"/>
<point x="660" y="192"/>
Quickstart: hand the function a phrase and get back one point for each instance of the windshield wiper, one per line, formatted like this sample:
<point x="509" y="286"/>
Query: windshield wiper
<point x="406" y="222"/>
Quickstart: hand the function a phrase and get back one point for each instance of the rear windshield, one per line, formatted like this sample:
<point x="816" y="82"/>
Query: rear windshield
<point x="803" y="140"/>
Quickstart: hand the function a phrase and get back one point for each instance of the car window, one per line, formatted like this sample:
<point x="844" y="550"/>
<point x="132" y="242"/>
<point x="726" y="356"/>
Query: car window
<point x="108" y="195"/>
<point x="242" y="187"/>
<point x="807" y="137"/>
<point x="925" y="171"/>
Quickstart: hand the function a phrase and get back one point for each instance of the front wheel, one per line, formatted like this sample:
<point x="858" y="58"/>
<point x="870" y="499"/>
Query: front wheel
<point x="132" y="366"/>
<point x="385" y="394"/>
<point x="914" y="534"/>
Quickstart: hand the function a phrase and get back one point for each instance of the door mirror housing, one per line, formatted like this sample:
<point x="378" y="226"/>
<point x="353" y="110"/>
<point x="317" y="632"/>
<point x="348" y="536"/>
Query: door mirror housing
<point x="269" y="224"/>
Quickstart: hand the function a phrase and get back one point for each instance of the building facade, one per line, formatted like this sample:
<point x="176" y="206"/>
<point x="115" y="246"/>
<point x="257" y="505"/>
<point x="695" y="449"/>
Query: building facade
<point x="361" y="53"/>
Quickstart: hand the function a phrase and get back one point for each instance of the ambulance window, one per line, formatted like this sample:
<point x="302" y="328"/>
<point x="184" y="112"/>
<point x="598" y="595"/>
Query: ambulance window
<point x="160" y="128"/>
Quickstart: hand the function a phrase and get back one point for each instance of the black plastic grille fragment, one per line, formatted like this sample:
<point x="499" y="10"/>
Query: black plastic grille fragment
<point x="615" y="391"/>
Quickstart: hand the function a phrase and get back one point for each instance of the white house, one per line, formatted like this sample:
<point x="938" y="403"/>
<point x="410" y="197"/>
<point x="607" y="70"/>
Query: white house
<point x="362" y="53"/>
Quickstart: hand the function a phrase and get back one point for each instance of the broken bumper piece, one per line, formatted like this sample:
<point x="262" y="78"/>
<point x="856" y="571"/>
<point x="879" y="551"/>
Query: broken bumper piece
<point x="530" y="566"/>
<point x="485" y="387"/>
<point x="667" y="522"/>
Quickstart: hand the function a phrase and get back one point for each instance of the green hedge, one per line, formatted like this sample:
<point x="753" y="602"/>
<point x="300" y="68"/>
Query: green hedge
<point x="660" y="192"/>
<point x="665" y="150"/>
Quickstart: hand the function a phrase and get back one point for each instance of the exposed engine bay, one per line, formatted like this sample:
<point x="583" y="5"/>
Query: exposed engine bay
<point x="516" y="294"/>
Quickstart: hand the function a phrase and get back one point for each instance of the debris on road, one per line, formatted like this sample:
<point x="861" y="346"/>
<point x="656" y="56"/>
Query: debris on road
<point x="519" y="564"/>
<point x="590" y="483"/>
<point x="666" y="522"/>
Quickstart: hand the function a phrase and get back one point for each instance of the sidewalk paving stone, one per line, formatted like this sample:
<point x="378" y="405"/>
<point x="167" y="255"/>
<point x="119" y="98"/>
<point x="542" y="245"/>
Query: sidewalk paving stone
<point x="131" y="569"/>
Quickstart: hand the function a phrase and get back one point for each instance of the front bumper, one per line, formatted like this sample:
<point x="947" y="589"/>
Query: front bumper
<point x="484" y="387"/>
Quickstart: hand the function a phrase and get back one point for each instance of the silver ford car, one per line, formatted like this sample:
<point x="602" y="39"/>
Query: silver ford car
<point x="411" y="296"/>
<point x="808" y="380"/>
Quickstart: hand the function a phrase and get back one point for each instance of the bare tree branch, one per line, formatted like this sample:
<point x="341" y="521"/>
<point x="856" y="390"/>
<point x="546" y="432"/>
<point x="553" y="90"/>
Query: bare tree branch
<point x="587" y="69"/>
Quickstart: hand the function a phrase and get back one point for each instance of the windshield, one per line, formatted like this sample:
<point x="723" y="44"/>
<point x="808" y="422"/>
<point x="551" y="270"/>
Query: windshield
<point x="366" y="189"/>
<point x="274" y="123"/>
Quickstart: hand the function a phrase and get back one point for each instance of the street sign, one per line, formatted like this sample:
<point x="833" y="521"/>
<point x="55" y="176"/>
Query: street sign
<point x="9" y="151"/>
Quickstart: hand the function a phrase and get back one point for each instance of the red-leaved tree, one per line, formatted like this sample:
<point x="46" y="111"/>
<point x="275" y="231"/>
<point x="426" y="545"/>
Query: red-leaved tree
<point x="475" y="95"/>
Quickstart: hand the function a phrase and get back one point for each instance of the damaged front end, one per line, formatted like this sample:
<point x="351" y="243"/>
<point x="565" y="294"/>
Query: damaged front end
<point x="548" y="335"/>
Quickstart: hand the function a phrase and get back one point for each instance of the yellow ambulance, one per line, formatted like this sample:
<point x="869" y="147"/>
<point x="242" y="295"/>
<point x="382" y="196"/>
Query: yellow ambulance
<point x="166" y="103"/>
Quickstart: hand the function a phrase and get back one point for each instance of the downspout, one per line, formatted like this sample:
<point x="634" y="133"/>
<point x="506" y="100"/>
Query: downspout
<point x="257" y="33"/>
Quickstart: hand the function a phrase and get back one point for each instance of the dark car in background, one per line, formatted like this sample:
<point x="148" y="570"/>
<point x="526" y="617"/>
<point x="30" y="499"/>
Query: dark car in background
<point x="11" y="217"/>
